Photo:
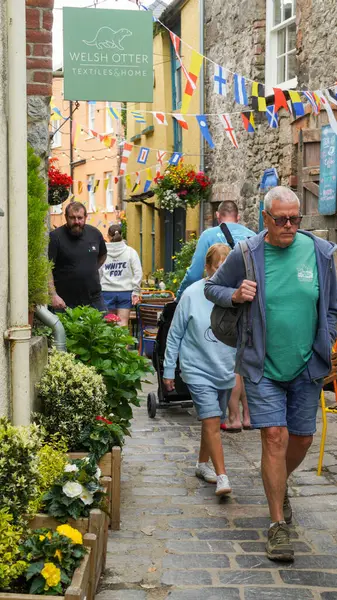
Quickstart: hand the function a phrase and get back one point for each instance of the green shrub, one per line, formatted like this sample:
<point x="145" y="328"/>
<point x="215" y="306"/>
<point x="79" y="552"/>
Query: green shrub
<point x="72" y="395"/>
<point x="19" y="474"/>
<point x="51" y="460"/>
<point x="182" y="261"/>
<point x="38" y="263"/>
<point x="11" y="565"/>
<point x="103" y="345"/>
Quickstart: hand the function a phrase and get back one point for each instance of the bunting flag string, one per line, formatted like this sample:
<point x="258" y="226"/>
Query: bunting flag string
<point x="204" y="130"/>
<point x="240" y="92"/>
<point x="195" y="66"/>
<point x="226" y="121"/>
<point x="180" y="119"/>
<point x="296" y="103"/>
<point x="160" y="118"/>
<point x="220" y="81"/>
<point x="125" y="157"/>
<point x="272" y="116"/>
<point x="143" y="155"/>
<point x="248" y="121"/>
<point x="280" y="100"/>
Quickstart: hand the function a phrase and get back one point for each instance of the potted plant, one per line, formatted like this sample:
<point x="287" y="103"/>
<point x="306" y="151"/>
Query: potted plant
<point x="181" y="186"/>
<point x="59" y="184"/>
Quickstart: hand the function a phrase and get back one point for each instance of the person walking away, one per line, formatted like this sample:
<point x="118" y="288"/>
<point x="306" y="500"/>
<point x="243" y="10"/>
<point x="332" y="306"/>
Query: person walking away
<point x="293" y="306"/>
<point x="228" y="214"/>
<point x="77" y="251"/>
<point x="121" y="276"/>
<point x="207" y="367"/>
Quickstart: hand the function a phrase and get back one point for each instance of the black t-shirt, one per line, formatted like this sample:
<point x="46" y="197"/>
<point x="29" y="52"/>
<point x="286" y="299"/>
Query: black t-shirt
<point x="75" y="261"/>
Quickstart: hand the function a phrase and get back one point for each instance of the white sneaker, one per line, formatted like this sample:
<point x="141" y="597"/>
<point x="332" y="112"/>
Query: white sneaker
<point x="222" y="485"/>
<point x="206" y="471"/>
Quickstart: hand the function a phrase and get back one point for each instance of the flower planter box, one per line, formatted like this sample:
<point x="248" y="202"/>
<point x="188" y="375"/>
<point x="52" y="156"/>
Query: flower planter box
<point x="80" y="587"/>
<point x="96" y="523"/>
<point x="110" y="465"/>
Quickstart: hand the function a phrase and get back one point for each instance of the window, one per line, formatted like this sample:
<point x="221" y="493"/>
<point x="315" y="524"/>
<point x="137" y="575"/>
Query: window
<point x="91" y="192"/>
<point x="176" y="73"/>
<point x="109" y="119"/>
<point x="281" y="44"/>
<point x="91" y="115"/>
<point x="57" y="135"/>
<point x="109" y="194"/>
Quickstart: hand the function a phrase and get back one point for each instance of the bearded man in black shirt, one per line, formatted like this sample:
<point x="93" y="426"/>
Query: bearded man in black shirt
<point x="77" y="251"/>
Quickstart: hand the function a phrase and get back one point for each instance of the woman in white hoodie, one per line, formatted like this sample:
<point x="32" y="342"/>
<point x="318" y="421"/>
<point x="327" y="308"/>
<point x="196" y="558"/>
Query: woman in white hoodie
<point x="121" y="276"/>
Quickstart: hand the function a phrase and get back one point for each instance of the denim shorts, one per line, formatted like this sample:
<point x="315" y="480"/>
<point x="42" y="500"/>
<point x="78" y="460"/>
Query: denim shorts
<point x="209" y="401"/>
<point x="114" y="300"/>
<point x="292" y="404"/>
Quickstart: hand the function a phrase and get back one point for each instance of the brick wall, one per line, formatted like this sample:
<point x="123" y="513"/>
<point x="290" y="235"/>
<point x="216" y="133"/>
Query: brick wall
<point x="39" y="22"/>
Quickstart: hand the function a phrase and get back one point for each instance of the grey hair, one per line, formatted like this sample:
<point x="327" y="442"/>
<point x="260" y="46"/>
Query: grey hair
<point x="281" y="193"/>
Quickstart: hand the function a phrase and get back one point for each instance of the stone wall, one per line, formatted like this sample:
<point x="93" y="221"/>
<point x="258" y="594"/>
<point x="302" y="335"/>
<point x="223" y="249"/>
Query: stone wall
<point x="39" y="22"/>
<point x="235" y="37"/>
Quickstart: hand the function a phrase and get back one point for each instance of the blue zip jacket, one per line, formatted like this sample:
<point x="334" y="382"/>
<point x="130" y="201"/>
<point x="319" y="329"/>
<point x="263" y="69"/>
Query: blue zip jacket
<point x="210" y="236"/>
<point x="250" y="357"/>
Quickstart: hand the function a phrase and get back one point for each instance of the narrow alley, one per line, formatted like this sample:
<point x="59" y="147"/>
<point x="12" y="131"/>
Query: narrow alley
<point x="179" y="542"/>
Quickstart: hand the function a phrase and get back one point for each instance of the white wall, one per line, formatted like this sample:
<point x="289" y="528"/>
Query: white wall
<point x="4" y="362"/>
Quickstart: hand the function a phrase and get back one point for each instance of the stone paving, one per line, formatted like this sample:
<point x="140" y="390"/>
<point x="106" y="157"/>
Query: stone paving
<point x="179" y="542"/>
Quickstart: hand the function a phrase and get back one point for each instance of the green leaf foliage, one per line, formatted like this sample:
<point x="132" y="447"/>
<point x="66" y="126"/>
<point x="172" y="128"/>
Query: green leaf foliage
<point x="11" y="563"/>
<point x="39" y="267"/>
<point x="100" y="436"/>
<point x="182" y="261"/>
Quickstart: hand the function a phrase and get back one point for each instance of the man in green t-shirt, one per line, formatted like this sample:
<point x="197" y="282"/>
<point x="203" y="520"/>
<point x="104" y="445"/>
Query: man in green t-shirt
<point x="291" y="329"/>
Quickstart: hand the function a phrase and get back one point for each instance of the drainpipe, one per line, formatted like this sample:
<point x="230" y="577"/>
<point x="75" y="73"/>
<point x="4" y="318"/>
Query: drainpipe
<point x="202" y="101"/>
<point x="19" y="332"/>
<point x="52" y="320"/>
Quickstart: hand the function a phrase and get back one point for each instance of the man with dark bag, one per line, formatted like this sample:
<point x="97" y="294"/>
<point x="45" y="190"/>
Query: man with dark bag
<point x="77" y="251"/>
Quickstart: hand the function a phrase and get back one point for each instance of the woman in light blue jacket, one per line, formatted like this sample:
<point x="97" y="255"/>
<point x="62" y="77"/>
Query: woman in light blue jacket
<point x="207" y="367"/>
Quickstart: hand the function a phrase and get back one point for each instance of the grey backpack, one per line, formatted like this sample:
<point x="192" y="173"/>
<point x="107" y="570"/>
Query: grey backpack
<point x="224" y="321"/>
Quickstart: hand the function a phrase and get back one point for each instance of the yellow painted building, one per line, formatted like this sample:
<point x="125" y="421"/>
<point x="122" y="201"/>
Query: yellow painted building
<point x="157" y="234"/>
<point x="92" y="165"/>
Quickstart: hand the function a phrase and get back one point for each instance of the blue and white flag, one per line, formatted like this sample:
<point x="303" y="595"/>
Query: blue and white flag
<point x="204" y="130"/>
<point x="175" y="158"/>
<point x="139" y="117"/>
<point x="272" y="116"/>
<point x="143" y="155"/>
<point x="220" y="80"/>
<point x="240" y="92"/>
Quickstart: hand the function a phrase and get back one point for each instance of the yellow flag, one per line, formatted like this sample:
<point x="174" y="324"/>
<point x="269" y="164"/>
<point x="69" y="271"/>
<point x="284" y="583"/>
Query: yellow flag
<point x="191" y="85"/>
<point x="106" y="183"/>
<point x="80" y="187"/>
<point x="128" y="182"/>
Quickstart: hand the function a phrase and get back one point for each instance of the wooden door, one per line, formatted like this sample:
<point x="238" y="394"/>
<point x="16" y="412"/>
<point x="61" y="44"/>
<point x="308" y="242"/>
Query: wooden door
<point x="309" y="142"/>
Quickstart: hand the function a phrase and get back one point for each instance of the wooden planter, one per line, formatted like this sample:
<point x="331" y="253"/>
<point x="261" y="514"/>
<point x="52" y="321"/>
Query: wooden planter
<point x="110" y="465"/>
<point x="81" y="584"/>
<point x="96" y="523"/>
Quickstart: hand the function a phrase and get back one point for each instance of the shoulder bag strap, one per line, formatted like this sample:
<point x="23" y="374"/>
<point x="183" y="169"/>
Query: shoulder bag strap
<point x="247" y="328"/>
<point x="228" y="235"/>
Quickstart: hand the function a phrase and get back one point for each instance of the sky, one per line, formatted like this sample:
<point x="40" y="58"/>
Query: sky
<point x="57" y="27"/>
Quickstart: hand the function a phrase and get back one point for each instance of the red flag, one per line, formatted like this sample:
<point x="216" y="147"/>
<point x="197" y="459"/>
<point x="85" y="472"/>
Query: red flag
<point x="280" y="100"/>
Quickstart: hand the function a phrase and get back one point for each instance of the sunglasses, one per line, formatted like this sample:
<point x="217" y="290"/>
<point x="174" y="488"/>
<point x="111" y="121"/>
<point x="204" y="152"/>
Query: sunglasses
<point x="282" y="221"/>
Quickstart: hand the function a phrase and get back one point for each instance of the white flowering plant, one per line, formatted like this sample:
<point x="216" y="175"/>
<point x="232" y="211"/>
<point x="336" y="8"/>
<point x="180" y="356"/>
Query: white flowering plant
<point x="72" y="395"/>
<point x="76" y="492"/>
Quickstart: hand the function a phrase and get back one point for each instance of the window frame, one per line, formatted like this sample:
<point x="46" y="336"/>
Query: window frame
<point x="271" y="48"/>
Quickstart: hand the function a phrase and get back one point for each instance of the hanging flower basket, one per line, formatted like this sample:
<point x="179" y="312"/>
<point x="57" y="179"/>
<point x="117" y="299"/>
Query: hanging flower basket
<point x="181" y="186"/>
<point x="57" y="194"/>
<point x="58" y="184"/>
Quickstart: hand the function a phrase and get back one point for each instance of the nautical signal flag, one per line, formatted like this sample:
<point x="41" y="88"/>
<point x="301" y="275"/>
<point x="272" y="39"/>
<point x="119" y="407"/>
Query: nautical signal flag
<point x="176" y="45"/>
<point x="226" y="121"/>
<point x="220" y="80"/>
<point x="128" y="182"/>
<point x="240" y="92"/>
<point x="296" y="104"/>
<point x="280" y="100"/>
<point x="204" y="130"/>
<point x="106" y="183"/>
<point x="160" y="118"/>
<point x="258" y="97"/>
<point x="139" y="118"/>
<point x="314" y="101"/>
<point x="125" y="157"/>
<point x="143" y="155"/>
<point x="175" y="158"/>
<point x="272" y="116"/>
<point x="325" y="104"/>
<point x="79" y="187"/>
<point x="116" y="180"/>
<point x="108" y="141"/>
<point x="191" y="85"/>
<point x="180" y="119"/>
<point x="160" y="156"/>
<point x="248" y="121"/>
<point x="96" y="185"/>
<point x="55" y="114"/>
<point x="148" y="180"/>
<point x="75" y="133"/>
<point x="114" y="112"/>
<point x="137" y="182"/>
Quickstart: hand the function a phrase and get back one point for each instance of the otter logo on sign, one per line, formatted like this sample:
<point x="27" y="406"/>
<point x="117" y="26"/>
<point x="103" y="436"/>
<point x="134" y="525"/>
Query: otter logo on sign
<point x="108" y="38"/>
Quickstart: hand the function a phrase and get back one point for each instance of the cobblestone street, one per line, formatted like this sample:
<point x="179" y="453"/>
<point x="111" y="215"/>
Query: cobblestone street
<point x="179" y="542"/>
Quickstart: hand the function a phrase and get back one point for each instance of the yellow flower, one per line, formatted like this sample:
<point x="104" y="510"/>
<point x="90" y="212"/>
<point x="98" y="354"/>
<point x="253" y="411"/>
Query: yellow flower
<point x="173" y="257"/>
<point x="51" y="574"/>
<point x="73" y="534"/>
<point x="49" y="535"/>
<point x="174" y="281"/>
<point x="58" y="554"/>
<point x="42" y="537"/>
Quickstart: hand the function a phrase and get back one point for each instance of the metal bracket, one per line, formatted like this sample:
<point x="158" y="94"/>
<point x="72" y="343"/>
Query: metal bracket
<point x="18" y="334"/>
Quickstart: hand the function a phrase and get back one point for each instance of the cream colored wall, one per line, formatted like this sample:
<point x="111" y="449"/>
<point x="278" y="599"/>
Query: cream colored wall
<point x="99" y="161"/>
<point x="162" y="136"/>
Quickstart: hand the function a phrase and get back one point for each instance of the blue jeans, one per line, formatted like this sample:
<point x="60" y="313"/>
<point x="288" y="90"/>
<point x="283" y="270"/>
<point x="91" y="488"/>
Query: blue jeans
<point x="208" y="401"/>
<point x="292" y="404"/>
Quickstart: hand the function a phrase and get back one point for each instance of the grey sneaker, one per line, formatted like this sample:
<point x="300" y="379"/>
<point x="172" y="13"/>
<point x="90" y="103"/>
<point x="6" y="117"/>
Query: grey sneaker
<point x="278" y="546"/>
<point x="206" y="471"/>
<point x="287" y="510"/>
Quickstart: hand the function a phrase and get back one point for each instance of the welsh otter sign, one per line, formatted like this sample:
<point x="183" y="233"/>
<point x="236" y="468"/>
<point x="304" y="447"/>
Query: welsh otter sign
<point x="108" y="55"/>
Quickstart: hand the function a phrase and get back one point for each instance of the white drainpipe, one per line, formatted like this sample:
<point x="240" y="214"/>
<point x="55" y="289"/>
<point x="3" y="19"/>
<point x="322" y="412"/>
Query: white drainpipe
<point x="202" y="103"/>
<point x="19" y="331"/>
